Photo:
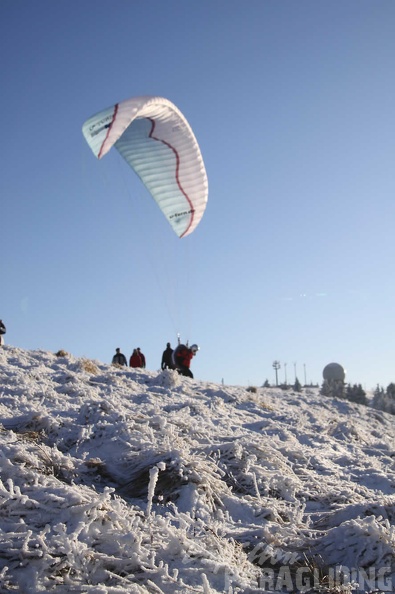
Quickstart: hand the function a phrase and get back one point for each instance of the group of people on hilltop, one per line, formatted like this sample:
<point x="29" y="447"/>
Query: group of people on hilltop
<point x="137" y="358"/>
<point x="180" y="358"/>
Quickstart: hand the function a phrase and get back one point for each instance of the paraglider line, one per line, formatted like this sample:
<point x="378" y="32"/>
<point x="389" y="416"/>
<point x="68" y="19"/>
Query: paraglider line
<point x="109" y="130"/>
<point x="177" y="172"/>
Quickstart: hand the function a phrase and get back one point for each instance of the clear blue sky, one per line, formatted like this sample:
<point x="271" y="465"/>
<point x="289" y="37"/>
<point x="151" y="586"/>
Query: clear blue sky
<point x="293" y="105"/>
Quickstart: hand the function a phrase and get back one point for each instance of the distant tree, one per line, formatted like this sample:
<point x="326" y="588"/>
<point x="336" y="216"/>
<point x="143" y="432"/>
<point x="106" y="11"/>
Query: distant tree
<point x="378" y="398"/>
<point x="391" y="391"/>
<point x="333" y="389"/>
<point x="384" y="400"/>
<point x="356" y="393"/>
<point x="266" y="384"/>
<point x="379" y="391"/>
<point x="325" y="391"/>
<point x="297" y="385"/>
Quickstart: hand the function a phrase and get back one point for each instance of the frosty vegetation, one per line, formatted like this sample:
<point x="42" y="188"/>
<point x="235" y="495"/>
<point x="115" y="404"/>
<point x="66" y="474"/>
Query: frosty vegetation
<point x="121" y="481"/>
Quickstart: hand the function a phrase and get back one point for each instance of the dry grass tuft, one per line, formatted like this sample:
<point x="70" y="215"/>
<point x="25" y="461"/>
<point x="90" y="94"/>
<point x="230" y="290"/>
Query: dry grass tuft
<point x="62" y="353"/>
<point x="89" y="366"/>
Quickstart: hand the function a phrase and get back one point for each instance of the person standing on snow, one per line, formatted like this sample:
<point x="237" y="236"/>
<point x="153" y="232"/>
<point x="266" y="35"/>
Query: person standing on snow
<point x="142" y="357"/>
<point x="182" y="357"/>
<point x="135" y="359"/>
<point x="2" y="332"/>
<point x="167" y="358"/>
<point x="119" y="358"/>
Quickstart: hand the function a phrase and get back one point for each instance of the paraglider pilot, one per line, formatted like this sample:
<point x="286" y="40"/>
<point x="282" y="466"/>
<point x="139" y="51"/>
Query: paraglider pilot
<point x="182" y="357"/>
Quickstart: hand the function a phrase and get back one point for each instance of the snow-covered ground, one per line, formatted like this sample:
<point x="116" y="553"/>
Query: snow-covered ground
<point x="121" y="481"/>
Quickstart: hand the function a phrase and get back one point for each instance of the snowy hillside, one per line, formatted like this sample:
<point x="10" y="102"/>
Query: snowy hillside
<point x="120" y="481"/>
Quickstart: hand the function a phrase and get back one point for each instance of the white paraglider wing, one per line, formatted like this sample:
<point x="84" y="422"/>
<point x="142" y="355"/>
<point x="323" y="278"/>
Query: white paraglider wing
<point x="156" y="140"/>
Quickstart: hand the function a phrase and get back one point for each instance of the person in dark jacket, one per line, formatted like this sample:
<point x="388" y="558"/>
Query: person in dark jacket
<point x="167" y="358"/>
<point x="135" y="359"/>
<point x="2" y="332"/>
<point x="119" y="358"/>
<point x="142" y="357"/>
<point x="182" y="358"/>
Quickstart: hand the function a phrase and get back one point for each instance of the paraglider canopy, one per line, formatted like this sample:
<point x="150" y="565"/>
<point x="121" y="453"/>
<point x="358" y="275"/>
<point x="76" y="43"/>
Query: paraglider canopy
<point x="157" y="142"/>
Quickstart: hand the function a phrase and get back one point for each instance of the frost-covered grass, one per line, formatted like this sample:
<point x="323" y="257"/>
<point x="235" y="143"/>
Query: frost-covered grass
<point x="119" y="481"/>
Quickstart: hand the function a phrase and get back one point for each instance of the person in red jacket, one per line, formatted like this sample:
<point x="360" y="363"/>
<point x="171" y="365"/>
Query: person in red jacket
<point x="182" y="357"/>
<point x="135" y="359"/>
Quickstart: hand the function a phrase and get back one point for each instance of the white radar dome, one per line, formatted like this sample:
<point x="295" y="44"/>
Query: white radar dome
<point x="334" y="371"/>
